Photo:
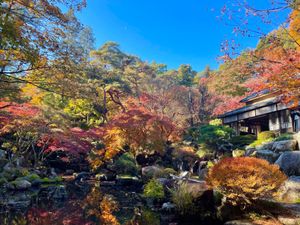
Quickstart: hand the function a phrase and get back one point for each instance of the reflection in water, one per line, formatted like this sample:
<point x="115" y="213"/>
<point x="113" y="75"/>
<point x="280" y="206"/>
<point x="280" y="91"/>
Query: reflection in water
<point x="87" y="206"/>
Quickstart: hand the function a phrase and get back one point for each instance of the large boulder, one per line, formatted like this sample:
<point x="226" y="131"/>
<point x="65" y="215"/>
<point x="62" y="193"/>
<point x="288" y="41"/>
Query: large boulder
<point x="297" y="138"/>
<point x="286" y="145"/>
<point x="250" y="151"/>
<point x="289" y="163"/>
<point x="290" y="190"/>
<point x="265" y="145"/>
<point x="268" y="155"/>
<point x="149" y="171"/>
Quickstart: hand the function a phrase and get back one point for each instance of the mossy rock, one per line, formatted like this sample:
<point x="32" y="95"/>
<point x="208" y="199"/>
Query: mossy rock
<point x="19" y="184"/>
<point x="32" y="177"/>
<point x="47" y="180"/>
<point x="164" y="173"/>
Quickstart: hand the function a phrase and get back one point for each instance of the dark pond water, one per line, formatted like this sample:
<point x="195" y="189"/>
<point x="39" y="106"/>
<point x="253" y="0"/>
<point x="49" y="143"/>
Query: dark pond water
<point x="85" y="204"/>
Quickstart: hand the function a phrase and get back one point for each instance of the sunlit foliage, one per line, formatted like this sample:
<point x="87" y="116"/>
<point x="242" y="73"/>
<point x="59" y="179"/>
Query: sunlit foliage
<point x="243" y="180"/>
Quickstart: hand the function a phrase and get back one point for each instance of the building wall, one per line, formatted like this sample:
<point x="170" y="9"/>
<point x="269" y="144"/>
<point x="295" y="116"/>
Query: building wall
<point x="285" y="119"/>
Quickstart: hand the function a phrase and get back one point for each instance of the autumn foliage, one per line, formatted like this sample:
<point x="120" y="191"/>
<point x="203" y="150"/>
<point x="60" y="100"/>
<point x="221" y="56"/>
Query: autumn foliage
<point x="243" y="180"/>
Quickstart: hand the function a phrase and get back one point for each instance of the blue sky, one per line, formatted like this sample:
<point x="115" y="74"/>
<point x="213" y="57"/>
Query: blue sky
<point x="164" y="31"/>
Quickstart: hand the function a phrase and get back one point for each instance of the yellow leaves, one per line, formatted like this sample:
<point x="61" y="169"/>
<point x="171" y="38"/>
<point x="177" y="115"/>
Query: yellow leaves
<point x="294" y="28"/>
<point x="35" y="94"/>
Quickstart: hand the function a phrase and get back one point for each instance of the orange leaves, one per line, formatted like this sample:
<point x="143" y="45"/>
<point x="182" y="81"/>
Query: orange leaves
<point x="244" y="179"/>
<point x="139" y="129"/>
<point x="108" y="206"/>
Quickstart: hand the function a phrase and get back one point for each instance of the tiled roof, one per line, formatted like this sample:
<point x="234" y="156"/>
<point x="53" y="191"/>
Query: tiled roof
<point x="250" y="107"/>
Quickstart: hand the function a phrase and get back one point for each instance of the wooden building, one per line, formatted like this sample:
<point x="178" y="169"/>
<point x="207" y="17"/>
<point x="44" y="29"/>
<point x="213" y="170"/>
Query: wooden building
<point x="263" y="111"/>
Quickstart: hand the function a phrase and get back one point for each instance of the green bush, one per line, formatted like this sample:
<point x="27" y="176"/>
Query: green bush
<point x="154" y="189"/>
<point x="212" y="136"/>
<point x="260" y="142"/>
<point x="149" y="217"/>
<point x="266" y="135"/>
<point x="126" y="165"/>
<point x="283" y="137"/>
<point x="241" y="141"/>
<point x="183" y="199"/>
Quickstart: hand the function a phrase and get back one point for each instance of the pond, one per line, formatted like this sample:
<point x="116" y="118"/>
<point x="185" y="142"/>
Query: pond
<point x="89" y="203"/>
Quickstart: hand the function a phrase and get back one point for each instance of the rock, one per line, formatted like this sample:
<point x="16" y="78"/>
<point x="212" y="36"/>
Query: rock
<point x="53" y="173"/>
<point x="20" y="184"/>
<point x="3" y="162"/>
<point x="250" y="151"/>
<point x="293" y="215"/>
<point x="128" y="181"/>
<point x="290" y="190"/>
<point x="20" y="162"/>
<point x="289" y="220"/>
<point x="82" y="176"/>
<point x="105" y="177"/>
<point x="289" y="163"/>
<point x="286" y="145"/>
<point x="168" y="207"/>
<point x="203" y="173"/>
<point x="268" y="155"/>
<point x="149" y="171"/>
<point x="167" y="183"/>
<point x="19" y="200"/>
<point x="265" y="145"/>
<point x="69" y="172"/>
<point x="9" y="167"/>
<point x="59" y="192"/>
<point x="2" y="154"/>
<point x="238" y="153"/>
<point x="297" y="138"/>
<point x="239" y="222"/>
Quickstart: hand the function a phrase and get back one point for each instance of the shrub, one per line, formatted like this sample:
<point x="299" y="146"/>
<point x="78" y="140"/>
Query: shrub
<point x="241" y="141"/>
<point x="243" y="180"/>
<point x="213" y="136"/>
<point x="265" y="135"/>
<point x="183" y="199"/>
<point x="149" y="217"/>
<point x="154" y="189"/>
<point x="126" y="164"/>
<point x="283" y="137"/>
